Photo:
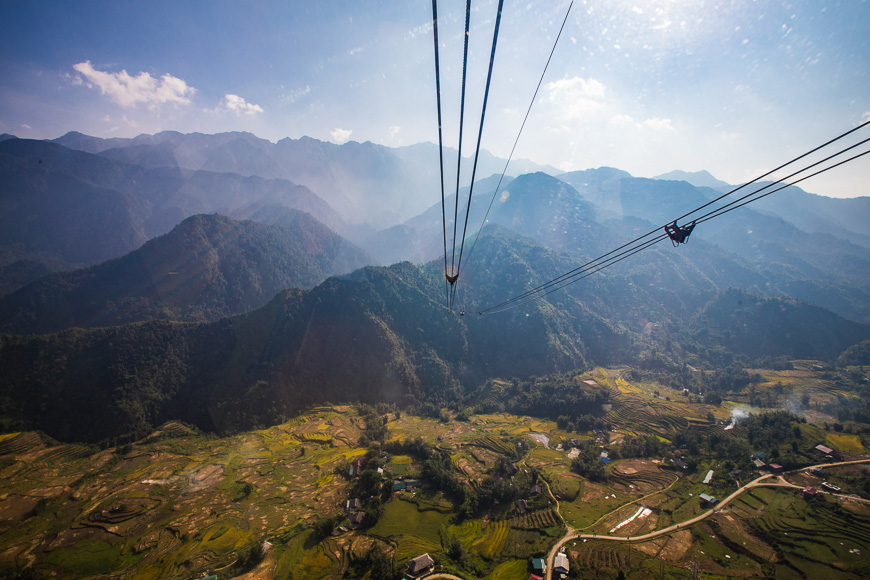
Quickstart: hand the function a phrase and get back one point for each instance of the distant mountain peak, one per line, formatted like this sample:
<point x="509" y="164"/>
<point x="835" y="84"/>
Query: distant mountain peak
<point x="701" y="178"/>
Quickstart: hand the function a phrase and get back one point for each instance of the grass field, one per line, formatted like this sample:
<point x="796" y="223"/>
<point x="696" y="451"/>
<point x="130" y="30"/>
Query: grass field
<point x="403" y="518"/>
<point x="510" y="570"/>
<point x="845" y="443"/>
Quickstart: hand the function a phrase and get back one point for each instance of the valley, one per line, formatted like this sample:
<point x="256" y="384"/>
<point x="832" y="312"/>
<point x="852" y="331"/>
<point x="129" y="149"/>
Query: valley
<point x="384" y="290"/>
<point x="466" y="490"/>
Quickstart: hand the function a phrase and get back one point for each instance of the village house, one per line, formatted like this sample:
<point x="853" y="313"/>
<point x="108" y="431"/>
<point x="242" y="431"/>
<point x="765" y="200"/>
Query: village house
<point x="353" y="504"/>
<point x="539" y="565"/>
<point x="560" y="564"/>
<point x="355" y="468"/>
<point x="708" y="499"/>
<point x="420" y="566"/>
<point x="522" y="506"/>
<point x="809" y="492"/>
<point x="827" y="451"/>
<point x="535" y="489"/>
<point x="356" y="519"/>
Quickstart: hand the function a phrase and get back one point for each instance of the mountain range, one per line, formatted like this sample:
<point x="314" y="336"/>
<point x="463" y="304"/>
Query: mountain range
<point x="206" y="268"/>
<point x="204" y="278"/>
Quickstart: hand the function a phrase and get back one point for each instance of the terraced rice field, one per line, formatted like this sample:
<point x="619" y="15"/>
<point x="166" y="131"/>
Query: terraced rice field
<point x="536" y="520"/>
<point x="486" y="539"/>
<point x="642" y="476"/>
<point x="636" y="416"/>
<point x="814" y="535"/>
<point x="493" y="444"/>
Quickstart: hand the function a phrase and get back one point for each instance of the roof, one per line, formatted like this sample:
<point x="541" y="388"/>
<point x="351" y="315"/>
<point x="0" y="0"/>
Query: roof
<point x="561" y="561"/>
<point x="356" y="517"/>
<point x="398" y="486"/>
<point x="605" y="460"/>
<point x="535" y="577"/>
<point x="536" y="488"/>
<point x="758" y="462"/>
<point x="538" y="564"/>
<point x="775" y="466"/>
<point x="708" y="498"/>
<point x="420" y="563"/>
<point x="824" y="449"/>
<point x="708" y="477"/>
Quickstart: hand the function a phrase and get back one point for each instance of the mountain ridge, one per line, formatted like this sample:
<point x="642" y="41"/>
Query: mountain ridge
<point x="206" y="268"/>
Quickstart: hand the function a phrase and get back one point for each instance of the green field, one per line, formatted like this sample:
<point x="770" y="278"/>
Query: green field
<point x="179" y="503"/>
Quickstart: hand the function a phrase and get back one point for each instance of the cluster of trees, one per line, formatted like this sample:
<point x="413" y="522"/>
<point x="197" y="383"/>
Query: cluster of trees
<point x="581" y="423"/>
<point x="375" y="421"/>
<point x="643" y="446"/>
<point x="858" y="354"/>
<point x="777" y="434"/>
<point x="730" y="379"/>
<point x="588" y="463"/>
<point x="550" y="396"/>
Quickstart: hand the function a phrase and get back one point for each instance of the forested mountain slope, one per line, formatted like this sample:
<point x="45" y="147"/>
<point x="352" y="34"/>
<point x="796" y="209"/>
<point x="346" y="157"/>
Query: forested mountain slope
<point x="206" y="268"/>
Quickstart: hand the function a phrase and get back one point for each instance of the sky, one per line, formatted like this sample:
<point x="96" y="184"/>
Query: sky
<point x="734" y="87"/>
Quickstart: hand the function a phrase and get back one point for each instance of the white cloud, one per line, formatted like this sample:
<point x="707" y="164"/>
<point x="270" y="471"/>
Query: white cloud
<point x="657" y="124"/>
<point x="575" y="98"/>
<point x="296" y="94"/>
<point x="394" y="136"/>
<point x="340" y="135"/>
<point x="240" y="106"/>
<point x="654" y="124"/>
<point x="127" y="91"/>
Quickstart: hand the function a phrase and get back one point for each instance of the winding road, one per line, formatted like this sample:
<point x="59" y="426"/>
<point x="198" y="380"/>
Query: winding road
<point x="758" y="482"/>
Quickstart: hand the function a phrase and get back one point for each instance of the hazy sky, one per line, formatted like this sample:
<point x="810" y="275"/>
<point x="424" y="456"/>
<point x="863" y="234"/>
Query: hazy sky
<point x="733" y="87"/>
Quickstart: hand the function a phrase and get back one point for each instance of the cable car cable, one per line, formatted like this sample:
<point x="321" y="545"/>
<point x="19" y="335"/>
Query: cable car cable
<point x="440" y="145"/>
<point x="538" y="292"/>
<point x="568" y="281"/>
<point x="591" y="263"/>
<point x="451" y="278"/>
<point x="522" y="126"/>
<point x="479" y="135"/>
